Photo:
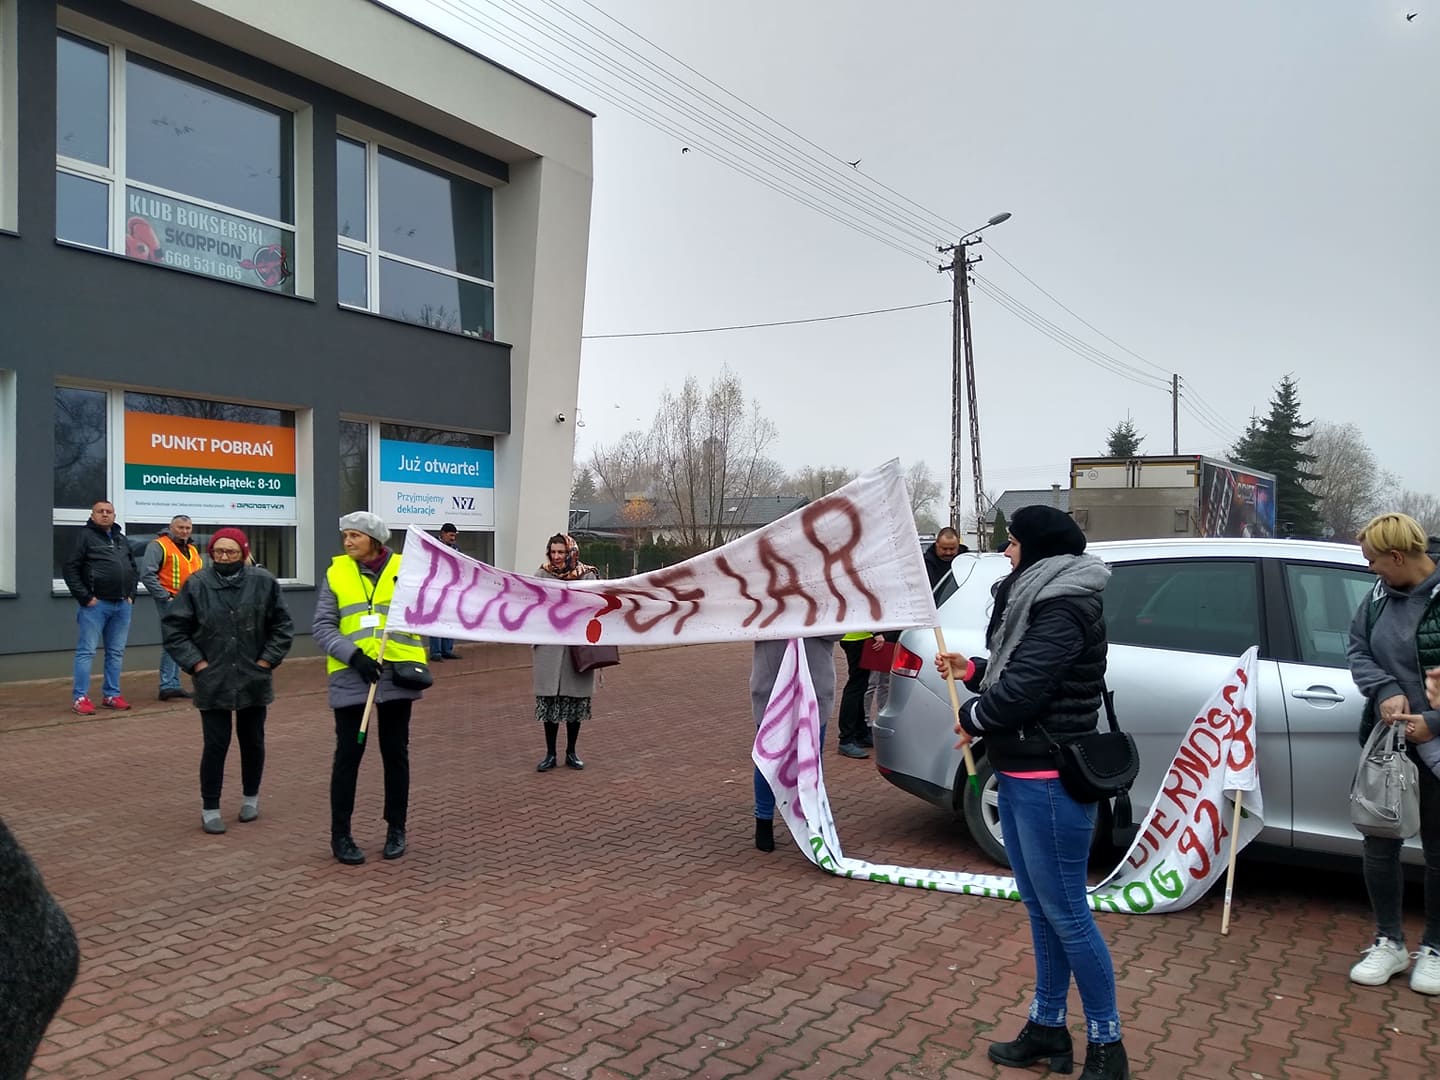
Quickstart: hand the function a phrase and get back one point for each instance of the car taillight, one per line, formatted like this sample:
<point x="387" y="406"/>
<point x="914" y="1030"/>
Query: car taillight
<point x="906" y="663"/>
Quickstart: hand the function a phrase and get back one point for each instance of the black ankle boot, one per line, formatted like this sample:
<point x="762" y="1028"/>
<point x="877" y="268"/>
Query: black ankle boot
<point x="1036" y="1042"/>
<point x="764" y="834"/>
<point x="345" y="849"/>
<point x="1106" y="1061"/>
<point x="394" y="843"/>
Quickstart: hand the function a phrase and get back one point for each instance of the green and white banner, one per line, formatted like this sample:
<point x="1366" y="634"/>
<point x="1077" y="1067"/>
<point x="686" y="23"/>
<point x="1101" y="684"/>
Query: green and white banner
<point x="1179" y="852"/>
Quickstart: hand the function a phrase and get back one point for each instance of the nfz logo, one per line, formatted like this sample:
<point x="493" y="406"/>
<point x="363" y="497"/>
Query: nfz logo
<point x="463" y="502"/>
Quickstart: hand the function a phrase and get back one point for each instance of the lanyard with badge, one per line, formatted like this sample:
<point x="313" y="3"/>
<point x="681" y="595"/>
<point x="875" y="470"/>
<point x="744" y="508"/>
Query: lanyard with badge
<point x="371" y="620"/>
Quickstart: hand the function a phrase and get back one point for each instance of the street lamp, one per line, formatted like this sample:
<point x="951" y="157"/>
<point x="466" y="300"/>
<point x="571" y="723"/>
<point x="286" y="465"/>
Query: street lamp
<point x="963" y="363"/>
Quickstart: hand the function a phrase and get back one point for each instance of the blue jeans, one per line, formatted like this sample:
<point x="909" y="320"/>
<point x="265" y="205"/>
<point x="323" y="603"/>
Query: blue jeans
<point x="442" y="646"/>
<point x="1047" y="836"/>
<point x="764" y="797"/>
<point x="107" y="621"/>
<point x="169" y="669"/>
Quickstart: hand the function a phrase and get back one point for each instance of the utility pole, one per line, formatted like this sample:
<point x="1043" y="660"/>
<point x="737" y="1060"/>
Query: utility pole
<point x="1175" y="415"/>
<point x="958" y="314"/>
<point x="962" y="364"/>
<point x="965" y="263"/>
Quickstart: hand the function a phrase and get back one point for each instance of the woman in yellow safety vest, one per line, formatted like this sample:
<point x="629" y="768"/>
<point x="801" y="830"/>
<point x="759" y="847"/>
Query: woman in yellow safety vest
<point x="350" y="613"/>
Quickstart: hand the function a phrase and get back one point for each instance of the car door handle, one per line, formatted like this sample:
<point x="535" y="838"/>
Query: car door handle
<point x="1318" y="693"/>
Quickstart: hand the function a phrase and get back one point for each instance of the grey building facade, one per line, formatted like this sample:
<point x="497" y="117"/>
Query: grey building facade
<point x="246" y="262"/>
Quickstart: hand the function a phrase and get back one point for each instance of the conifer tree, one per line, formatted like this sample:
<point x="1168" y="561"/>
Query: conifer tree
<point x="1278" y="444"/>
<point x="1123" y="440"/>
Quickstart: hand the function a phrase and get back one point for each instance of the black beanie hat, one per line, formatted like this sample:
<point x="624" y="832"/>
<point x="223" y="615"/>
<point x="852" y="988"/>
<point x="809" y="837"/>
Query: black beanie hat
<point x="1043" y="532"/>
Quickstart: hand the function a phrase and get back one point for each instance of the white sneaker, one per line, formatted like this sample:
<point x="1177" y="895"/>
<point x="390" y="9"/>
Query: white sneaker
<point x="1425" y="979"/>
<point x="1383" y="961"/>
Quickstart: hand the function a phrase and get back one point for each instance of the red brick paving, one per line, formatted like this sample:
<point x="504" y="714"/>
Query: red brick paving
<point x="612" y="924"/>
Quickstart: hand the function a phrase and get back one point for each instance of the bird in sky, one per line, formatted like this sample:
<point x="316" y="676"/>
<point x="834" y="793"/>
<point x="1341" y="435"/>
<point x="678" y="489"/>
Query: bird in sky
<point x="1410" y="17"/>
<point x="855" y="164"/>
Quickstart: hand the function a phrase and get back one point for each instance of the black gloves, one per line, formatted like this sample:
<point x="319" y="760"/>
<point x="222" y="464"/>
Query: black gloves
<point x="367" y="668"/>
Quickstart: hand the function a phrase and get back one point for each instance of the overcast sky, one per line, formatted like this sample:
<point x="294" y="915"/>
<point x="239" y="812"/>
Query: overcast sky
<point x="1234" y="191"/>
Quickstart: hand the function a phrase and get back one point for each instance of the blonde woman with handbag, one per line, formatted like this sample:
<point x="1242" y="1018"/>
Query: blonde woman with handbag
<point x="1394" y="637"/>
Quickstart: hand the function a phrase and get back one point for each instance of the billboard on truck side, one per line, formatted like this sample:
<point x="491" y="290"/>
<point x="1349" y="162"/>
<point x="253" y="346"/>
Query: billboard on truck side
<point x="1235" y="501"/>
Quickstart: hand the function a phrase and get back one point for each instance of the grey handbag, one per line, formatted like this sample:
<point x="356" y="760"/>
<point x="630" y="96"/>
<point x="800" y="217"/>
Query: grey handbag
<point x="1385" y="796"/>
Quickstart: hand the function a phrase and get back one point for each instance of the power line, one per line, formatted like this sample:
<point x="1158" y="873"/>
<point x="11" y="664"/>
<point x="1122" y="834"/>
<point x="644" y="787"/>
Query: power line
<point x="1073" y="314"/>
<point x="1067" y="340"/>
<point x="696" y="113"/>
<point x="757" y="326"/>
<point x="550" y="61"/>
<point x="819" y="183"/>
<point x="953" y="229"/>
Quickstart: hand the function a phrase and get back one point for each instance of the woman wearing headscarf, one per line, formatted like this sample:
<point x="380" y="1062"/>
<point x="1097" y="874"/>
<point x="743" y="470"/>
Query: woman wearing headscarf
<point x="1045" y="676"/>
<point x="562" y="694"/>
<point x="352" y="607"/>
<point x="229" y="628"/>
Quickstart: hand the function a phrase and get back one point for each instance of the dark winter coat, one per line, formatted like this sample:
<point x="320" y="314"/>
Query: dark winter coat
<point x="230" y="623"/>
<point x="936" y="567"/>
<point x="39" y="957"/>
<point x="1054" y="679"/>
<point x="101" y="566"/>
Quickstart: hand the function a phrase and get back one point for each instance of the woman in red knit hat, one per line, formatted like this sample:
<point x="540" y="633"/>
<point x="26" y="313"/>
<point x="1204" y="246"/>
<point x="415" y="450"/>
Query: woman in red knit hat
<point x="229" y="628"/>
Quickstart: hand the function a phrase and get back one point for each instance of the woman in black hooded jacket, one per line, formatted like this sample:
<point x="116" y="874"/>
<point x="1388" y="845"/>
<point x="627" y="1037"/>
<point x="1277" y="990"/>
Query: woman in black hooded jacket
<point x="1044" y="679"/>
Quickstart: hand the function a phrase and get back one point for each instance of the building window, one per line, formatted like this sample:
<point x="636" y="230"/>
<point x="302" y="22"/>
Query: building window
<point x="158" y="455"/>
<point x="416" y="241"/>
<point x="197" y="176"/>
<point x="421" y="476"/>
<point x="354" y="466"/>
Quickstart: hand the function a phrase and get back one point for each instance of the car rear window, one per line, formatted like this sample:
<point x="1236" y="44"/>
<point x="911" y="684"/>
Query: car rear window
<point x="1191" y="605"/>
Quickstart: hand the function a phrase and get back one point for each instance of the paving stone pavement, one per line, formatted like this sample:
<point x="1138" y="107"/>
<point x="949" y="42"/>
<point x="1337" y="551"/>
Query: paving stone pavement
<point x="610" y="924"/>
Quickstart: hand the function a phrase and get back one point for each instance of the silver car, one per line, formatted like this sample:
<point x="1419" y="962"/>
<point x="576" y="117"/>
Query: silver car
<point x="1178" y="614"/>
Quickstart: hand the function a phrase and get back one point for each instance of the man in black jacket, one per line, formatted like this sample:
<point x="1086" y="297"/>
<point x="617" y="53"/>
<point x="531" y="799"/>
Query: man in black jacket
<point x="940" y="554"/>
<point x="102" y="577"/>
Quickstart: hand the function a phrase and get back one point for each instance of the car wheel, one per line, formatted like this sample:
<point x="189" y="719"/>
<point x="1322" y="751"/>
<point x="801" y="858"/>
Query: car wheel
<point x="981" y="810"/>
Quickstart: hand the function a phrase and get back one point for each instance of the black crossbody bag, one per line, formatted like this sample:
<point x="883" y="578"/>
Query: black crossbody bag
<point x="1099" y="766"/>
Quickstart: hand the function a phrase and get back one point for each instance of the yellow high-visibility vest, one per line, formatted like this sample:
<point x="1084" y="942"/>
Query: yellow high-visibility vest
<point x="175" y="566"/>
<point x="356" y="599"/>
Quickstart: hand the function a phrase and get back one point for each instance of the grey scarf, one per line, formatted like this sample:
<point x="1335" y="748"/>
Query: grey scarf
<point x="1059" y="575"/>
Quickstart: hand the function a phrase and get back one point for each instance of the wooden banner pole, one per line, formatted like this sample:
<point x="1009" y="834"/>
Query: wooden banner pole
<point x="1230" y="873"/>
<point x="370" y="698"/>
<point x="955" y="704"/>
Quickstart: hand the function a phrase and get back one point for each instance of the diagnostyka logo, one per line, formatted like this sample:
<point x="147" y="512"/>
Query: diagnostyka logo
<point x="270" y="266"/>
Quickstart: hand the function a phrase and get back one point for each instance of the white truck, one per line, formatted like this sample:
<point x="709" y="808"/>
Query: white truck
<point x="1180" y="495"/>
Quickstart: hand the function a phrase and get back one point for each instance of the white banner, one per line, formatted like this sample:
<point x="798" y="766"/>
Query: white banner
<point x="850" y="560"/>
<point x="1176" y="855"/>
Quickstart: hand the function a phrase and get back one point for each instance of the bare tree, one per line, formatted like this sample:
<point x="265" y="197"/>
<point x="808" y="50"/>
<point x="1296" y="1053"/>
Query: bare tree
<point x="1349" y="485"/>
<point x="707" y="449"/>
<point x="623" y="469"/>
<point x="923" y="489"/>
<point x="1423" y="508"/>
<point x="814" y="481"/>
<point x="770" y="478"/>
